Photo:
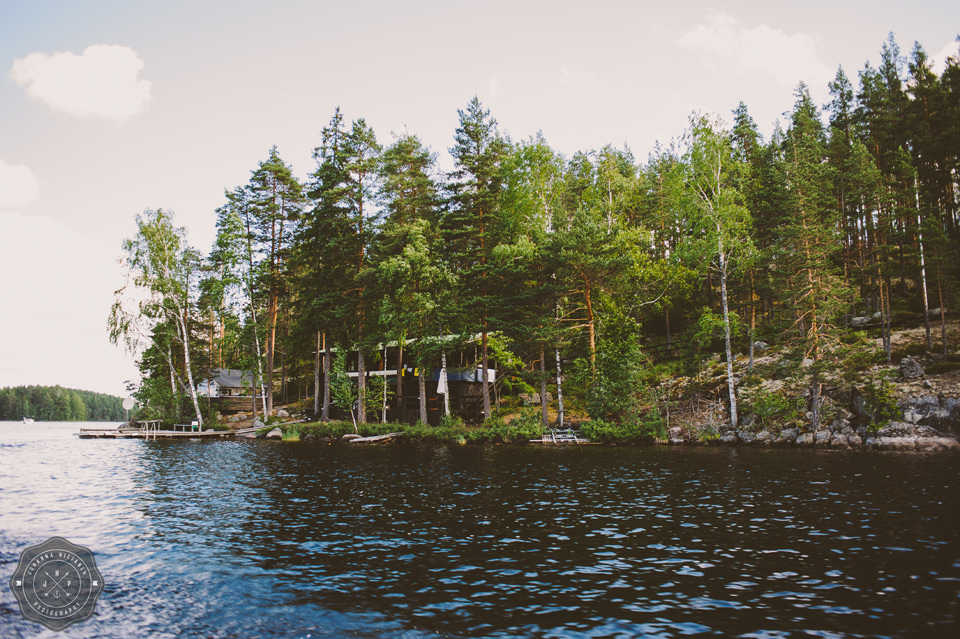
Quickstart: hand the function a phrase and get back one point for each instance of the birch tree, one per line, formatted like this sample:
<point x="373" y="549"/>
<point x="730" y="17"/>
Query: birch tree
<point x="161" y="267"/>
<point x="721" y="222"/>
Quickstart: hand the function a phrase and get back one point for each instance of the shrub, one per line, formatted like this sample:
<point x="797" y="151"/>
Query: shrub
<point x="624" y="432"/>
<point x="524" y="428"/>
<point x="774" y="407"/>
<point x="938" y="368"/>
<point x="910" y="350"/>
<point x="881" y="404"/>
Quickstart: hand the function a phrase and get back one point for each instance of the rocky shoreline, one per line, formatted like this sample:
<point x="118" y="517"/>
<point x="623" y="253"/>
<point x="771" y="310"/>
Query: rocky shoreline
<point x="841" y="435"/>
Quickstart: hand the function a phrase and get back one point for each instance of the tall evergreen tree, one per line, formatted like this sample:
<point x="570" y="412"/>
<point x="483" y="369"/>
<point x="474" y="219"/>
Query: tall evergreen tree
<point x="807" y="254"/>
<point x="470" y="226"/>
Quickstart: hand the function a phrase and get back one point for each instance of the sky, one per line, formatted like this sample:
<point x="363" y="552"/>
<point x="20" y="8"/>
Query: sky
<point x="108" y="108"/>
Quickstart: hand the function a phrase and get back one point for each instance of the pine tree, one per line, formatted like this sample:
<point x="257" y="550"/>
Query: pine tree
<point x="470" y="226"/>
<point x="807" y="253"/>
<point x="415" y="286"/>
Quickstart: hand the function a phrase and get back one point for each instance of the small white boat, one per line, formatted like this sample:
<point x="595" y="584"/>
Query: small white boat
<point x="27" y="420"/>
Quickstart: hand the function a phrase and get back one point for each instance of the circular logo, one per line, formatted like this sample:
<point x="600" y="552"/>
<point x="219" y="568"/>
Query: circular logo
<point x="57" y="583"/>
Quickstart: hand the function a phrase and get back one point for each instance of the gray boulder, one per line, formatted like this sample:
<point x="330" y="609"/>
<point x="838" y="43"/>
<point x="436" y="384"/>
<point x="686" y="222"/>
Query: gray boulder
<point x="805" y="439"/>
<point x="839" y="440"/>
<point x="788" y="436"/>
<point x="910" y="368"/>
<point x="276" y="433"/>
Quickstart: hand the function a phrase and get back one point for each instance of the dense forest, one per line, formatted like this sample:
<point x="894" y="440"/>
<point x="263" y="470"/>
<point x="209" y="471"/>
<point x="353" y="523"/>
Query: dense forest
<point x="620" y="271"/>
<point x="56" y="404"/>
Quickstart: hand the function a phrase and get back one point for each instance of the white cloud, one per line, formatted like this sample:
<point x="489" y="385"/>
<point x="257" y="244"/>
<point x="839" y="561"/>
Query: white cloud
<point x="18" y="186"/>
<point x="939" y="59"/>
<point x="102" y="82"/>
<point x="762" y="49"/>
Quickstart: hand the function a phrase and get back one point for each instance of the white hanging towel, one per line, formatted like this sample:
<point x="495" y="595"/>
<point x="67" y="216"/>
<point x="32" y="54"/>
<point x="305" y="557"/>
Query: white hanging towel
<point x="442" y="384"/>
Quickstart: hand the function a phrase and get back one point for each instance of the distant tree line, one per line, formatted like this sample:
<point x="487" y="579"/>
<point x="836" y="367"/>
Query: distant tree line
<point x="597" y="263"/>
<point x="57" y="404"/>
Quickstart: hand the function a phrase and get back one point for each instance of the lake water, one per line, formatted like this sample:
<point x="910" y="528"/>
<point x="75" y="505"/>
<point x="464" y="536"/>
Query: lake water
<point x="274" y="539"/>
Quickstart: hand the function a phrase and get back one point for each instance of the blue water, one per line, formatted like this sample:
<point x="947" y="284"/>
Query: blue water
<point x="279" y="539"/>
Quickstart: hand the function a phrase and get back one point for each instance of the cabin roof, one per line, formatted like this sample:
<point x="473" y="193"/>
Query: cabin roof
<point x="231" y="377"/>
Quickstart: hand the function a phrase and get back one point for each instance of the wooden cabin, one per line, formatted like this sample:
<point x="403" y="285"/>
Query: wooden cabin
<point x="230" y="390"/>
<point x="464" y="383"/>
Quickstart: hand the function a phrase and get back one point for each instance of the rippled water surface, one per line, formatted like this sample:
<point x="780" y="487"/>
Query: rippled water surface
<point x="273" y="539"/>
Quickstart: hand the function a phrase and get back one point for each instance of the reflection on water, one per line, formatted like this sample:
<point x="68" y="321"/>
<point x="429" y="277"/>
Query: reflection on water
<point x="238" y="539"/>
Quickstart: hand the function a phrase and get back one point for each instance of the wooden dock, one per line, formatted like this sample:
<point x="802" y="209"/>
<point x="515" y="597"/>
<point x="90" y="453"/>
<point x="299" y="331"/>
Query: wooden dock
<point x="151" y="430"/>
<point x="562" y="436"/>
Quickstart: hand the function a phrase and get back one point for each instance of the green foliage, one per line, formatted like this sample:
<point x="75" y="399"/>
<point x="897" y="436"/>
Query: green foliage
<point x="451" y="422"/>
<point x="156" y="400"/>
<point x="57" y="404"/>
<point x="626" y="431"/>
<point x="526" y="427"/>
<point x="344" y="392"/>
<point x="614" y="392"/>
<point x="859" y="358"/>
<point x="775" y="408"/>
<point x="881" y="403"/>
<point x="944" y="366"/>
<point x="910" y="350"/>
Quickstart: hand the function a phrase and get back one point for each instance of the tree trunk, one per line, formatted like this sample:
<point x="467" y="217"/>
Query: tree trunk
<point x="422" y="378"/>
<point x="485" y="385"/>
<point x="271" y="344"/>
<point x="815" y="389"/>
<point x="731" y="387"/>
<point x="559" y="392"/>
<point x="592" y="334"/>
<point x="399" y="400"/>
<point x="361" y="388"/>
<point x="544" y="404"/>
<point x="943" y="311"/>
<point x="186" y="362"/>
<point x="173" y="381"/>
<point x="316" y="378"/>
<point x="923" y="270"/>
<point x="327" y="354"/>
<point x="383" y="367"/>
<point x="753" y="319"/>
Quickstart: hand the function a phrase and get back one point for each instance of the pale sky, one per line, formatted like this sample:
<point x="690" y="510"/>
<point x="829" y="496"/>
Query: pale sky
<point x="111" y="107"/>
